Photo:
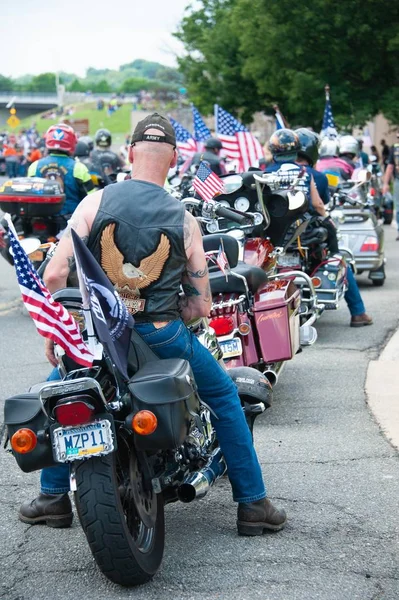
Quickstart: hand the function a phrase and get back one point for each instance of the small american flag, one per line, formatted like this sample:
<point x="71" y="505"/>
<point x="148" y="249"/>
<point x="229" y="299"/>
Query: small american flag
<point x="237" y="141"/>
<point x="206" y="183"/>
<point x="186" y="144"/>
<point x="279" y="120"/>
<point x="52" y="320"/>
<point x="222" y="262"/>
<point x="201" y="131"/>
<point x="328" y="128"/>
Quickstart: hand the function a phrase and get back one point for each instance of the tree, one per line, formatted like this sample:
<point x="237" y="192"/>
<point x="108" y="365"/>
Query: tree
<point x="287" y="53"/>
<point x="77" y="86"/>
<point x="6" y="84"/>
<point x="45" y="82"/>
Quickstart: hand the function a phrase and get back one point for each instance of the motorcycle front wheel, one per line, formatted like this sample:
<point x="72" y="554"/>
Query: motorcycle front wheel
<point x="122" y="518"/>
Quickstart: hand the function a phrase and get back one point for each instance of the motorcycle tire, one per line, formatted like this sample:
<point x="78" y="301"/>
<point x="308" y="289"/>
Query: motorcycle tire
<point x="378" y="282"/>
<point x="127" y="551"/>
<point x="388" y="220"/>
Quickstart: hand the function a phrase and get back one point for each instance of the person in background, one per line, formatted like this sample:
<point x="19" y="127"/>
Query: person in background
<point x="363" y="156"/>
<point x="211" y="155"/>
<point x="374" y="152"/>
<point x="392" y="172"/>
<point x="11" y="156"/>
<point x="384" y="153"/>
<point x="105" y="161"/>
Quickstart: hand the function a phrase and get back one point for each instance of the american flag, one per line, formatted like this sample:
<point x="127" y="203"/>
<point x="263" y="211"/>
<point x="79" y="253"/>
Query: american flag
<point x="201" y="131"/>
<point x="237" y="141"/>
<point x="328" y="128"/>
<point x="186" y="144"/>
<point x="52" y="320"/>
<point x="279" y="120"/>
<point x="222" y="262"/>
<point x="206" y="183"/>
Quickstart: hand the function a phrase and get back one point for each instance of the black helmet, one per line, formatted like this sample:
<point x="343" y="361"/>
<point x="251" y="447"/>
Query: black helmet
<point x="213" y="144"/>
<point x="284" y="145"/>
<point x="88" y="140"/>
<point x="82" y="149"/>
<point x="309" y="141"/>
<point x="103" y="138"/>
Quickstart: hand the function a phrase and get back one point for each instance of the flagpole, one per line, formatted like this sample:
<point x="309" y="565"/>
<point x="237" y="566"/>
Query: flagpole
<point x="215" y="110"/>
<point x="276" y="109"/>
<point x="327" y="92"/>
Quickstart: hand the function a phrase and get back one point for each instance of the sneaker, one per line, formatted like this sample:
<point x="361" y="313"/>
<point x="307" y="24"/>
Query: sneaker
<point x="361" y="320"/>
<point x="54" y="510"/>
<point x="254" y="517"/>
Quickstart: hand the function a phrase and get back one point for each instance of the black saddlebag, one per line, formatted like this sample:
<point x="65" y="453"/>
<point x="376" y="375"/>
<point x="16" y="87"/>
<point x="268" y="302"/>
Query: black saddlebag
<point x="24" y="411"/>
<point x="166" y="388"/>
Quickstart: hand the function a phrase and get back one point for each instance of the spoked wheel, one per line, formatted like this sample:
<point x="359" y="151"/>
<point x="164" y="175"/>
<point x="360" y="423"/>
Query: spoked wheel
<point x="122" y="517"/>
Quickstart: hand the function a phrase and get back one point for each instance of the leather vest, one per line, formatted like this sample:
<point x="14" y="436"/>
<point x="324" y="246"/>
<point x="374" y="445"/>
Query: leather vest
<point x="138" y="238"/>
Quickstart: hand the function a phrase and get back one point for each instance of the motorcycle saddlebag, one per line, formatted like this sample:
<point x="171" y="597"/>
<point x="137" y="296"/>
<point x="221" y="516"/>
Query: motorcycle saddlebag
<point x="167" y="389"/>
<point x="31" y="197"/>
<point x="24" y="411"/>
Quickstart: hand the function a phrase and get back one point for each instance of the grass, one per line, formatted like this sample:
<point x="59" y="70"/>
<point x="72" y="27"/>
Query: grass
<point x="119" y="123"/>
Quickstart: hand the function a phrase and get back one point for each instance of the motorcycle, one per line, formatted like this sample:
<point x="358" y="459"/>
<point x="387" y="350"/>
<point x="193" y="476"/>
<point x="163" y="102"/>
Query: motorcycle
<point x="353" y="210"/>
<point x="255" y="313"/>
<point x="33" y="204"/>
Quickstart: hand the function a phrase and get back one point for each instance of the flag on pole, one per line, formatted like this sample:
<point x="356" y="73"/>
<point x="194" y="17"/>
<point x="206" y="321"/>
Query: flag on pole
<point x="185" y="142"/>
<point x="112" y="321"/>
<point x="328" y="128"/>
<point x="280" y="121"/>
<point x="201" y="131"/>
<point x="51" y="318"/>
<point x="206" y="183"/>
<point x="238" y="142"/>
<point x="222" y="261"/>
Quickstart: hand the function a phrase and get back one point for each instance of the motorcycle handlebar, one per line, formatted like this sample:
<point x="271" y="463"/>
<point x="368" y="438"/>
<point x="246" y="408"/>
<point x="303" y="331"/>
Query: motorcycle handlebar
<point x="232" y="215"/>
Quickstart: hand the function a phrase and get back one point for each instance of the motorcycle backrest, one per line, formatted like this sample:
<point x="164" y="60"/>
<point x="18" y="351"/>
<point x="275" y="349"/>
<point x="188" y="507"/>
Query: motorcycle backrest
<point x="213" y="242"/>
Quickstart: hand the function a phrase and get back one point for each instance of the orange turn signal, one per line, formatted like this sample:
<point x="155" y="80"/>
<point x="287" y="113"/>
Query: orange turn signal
<point x="244" y="328"/>
<point x="24" y="441"/>
<point x="144" y="422"/>
<point x="316" y="282"/>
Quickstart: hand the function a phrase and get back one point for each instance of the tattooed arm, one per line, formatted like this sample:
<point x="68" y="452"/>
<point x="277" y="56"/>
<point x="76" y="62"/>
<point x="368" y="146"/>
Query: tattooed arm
<point x="197" y="298"/>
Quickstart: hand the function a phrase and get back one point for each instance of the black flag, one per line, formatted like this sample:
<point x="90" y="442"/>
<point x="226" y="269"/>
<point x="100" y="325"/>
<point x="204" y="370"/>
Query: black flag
<point x="112" y="321"/>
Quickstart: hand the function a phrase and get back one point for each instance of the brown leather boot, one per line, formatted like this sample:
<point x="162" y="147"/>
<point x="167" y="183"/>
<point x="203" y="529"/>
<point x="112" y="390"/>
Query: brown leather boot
<point x="361" y="320"/>
<point x="253" y="518"/>
<point x="54" y="510"/>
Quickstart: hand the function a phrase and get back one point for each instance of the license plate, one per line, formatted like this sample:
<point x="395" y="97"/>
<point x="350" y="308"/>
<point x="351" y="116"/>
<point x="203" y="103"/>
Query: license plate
<point x="231" y="347"/>
<point x="75" y="443"/>
<point x="287" y="261"/>
<point x="36" y="256"/>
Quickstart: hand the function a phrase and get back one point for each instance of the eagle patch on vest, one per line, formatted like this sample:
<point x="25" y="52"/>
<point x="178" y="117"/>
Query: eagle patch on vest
<point x="128" y="279"/>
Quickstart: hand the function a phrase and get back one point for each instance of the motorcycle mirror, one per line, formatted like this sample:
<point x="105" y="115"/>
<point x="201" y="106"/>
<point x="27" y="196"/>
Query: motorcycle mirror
<point x="232" y="183"/>
<point x="296" y="200"/>
<point x="29" y="245"/>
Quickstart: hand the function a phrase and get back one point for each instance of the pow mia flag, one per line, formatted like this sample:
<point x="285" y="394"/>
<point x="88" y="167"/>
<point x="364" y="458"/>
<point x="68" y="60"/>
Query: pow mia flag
<point x="112" y="321"/>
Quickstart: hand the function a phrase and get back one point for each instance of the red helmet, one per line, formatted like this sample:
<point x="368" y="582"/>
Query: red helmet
<point x="61" y="137"/>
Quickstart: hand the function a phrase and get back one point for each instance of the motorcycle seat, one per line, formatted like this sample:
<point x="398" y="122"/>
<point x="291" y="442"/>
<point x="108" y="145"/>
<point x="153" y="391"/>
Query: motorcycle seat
<point x="318" y="235"/>
<point x="255" y="277"/>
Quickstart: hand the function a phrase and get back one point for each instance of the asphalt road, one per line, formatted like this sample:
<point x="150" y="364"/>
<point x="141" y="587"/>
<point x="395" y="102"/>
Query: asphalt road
<point x="323" y="457"/>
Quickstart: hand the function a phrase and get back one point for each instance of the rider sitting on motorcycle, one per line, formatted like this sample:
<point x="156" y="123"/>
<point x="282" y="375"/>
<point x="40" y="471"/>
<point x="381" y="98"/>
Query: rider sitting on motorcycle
<point x="105" y="161"/>
<point x="307" y="156"/>
<point x="73" y="176"/>
<point x="213" y="146"/>
<point x="82" y="153"/>
<point x="134" y="216"/>
<point x="342" y="165"/>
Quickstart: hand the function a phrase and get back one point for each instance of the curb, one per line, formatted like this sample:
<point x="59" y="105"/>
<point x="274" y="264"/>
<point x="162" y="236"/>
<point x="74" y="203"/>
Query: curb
<point x="382" y="389"/>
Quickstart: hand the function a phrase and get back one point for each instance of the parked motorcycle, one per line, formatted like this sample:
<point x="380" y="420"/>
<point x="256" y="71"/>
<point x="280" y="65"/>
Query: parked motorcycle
<point x="132" y="446"/>
<point x="353" y="210"/>
<point x="33" y="204"/>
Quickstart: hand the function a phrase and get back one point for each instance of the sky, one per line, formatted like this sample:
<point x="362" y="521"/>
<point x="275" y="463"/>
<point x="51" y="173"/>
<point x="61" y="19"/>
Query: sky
<point x="71" y="35"/>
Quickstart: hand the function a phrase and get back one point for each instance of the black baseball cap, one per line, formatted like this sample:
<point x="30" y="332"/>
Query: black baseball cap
<point x="154" y="121"/>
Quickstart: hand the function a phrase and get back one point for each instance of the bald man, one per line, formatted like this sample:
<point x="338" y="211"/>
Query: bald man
<point x="139" y="219"/>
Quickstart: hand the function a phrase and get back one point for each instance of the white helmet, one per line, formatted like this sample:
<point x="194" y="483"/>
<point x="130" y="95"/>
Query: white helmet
<point x="328" y="147"/>
<point x="348" y="145"/>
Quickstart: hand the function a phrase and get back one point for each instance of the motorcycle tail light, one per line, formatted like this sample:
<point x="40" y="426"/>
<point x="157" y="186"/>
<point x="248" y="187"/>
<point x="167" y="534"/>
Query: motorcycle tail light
<point x="23" y="441"/>
<point x="222" y="325"/>
<point x="316" y="282"/>
<point x="39" y="226"/>
<point x="372" y="192"/>
<point x="370" y="244"/>
<point x="73" y="413"/>
<point x="144" y="422"/>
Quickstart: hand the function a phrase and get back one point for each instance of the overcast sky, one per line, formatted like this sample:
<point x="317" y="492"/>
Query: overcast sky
<point x="71" y="35"/>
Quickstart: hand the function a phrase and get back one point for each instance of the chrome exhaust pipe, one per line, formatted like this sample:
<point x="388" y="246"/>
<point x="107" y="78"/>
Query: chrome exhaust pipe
<point x="198" y="484"/>
<point x="273" y="371"/>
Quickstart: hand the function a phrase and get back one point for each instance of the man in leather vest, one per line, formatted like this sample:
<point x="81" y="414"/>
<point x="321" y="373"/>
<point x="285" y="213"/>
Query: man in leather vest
<point x="136" y="222"/>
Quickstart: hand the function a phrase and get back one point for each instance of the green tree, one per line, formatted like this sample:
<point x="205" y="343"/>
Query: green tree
<point x="77" y="86"/>
<point x="6" y="84"/>
<point x="45" y="82"/>
<point x="288" y="52"/>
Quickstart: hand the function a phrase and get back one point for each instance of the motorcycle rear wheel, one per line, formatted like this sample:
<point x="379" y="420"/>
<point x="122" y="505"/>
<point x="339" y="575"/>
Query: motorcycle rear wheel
<point x="127" y="551"/>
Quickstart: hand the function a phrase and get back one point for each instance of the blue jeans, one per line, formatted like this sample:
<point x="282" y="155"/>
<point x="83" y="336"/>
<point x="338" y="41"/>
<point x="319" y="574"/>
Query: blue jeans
<point x="352" y="295"/>
<point x="216" y="389"/>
